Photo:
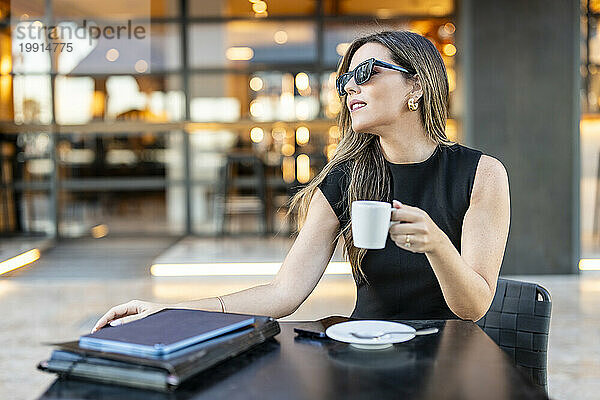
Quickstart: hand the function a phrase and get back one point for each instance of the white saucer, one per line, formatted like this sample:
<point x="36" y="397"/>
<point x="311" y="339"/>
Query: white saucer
<point x="342" y="332"/>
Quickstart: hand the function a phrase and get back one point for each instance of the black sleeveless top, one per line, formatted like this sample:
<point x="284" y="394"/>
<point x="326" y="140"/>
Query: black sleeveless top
<point x="401" y="284"/>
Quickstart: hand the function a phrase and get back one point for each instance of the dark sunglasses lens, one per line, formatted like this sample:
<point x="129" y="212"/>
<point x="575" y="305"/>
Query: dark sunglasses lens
<point x="363" y="73"/>
<point x="342" y="80"/>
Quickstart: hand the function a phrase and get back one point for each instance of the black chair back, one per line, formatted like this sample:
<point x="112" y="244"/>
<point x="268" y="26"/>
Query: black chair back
<point x="254" y="182"/>
<point x="519" y="321"/>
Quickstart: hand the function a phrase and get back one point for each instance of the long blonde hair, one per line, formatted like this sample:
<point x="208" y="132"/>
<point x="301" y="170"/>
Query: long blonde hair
<point x="368" y="175"/>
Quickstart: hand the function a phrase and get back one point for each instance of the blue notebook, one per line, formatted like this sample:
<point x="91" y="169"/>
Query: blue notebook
<point x="164" y="332"/>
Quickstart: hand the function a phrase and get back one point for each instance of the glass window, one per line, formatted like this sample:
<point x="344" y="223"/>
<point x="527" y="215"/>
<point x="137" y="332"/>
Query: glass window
<point x="585" y="67"/>
<point x="30" y="159"/>
<point x="110" y="9"/>
<point x="389" y="8"/>
<point x="99" y="213"/>
<point x="217" y="97"/>
<point x="86" y="155"/>
<point x="208" y="149"/>
<point x="152" y="98"/>
<point x="594" y="43"/>
<point x="33" y="157"/>
<point x="244" y="8"/>
<point x="94" y="168"/>
<point x="593" y="95"/>
<point x="27" y="56"/>
<point x="330" y="101"/>
<point x="242" y="43"/>
<point x="260" y="96"/>
<point x="583" y="39"/>
<point x="81" y="47"/>
<point x="31" y="97"/>
<point x="283" y="96"/>
<point x="22" y="10"/>
<point x="589" y="135"/>
<point x="339" y="35"/>
<point x="165" y="42"/>
<point x="74" y="102"/>
<point x="34" y="212"/>
<point x="590" y="179"/>
<point x="164" y="8"/>
<point x="28" y="166"/>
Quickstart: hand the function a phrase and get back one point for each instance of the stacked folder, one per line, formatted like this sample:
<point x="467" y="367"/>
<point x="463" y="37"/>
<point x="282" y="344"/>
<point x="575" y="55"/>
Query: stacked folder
<point x="161" y="351"/>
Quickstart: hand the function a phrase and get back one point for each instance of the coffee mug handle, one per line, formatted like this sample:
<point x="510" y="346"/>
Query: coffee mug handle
<point x="393" y="222"/>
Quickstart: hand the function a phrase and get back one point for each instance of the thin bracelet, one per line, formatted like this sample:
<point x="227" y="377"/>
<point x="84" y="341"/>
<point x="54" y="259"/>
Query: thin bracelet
<point x="222" y="304"/>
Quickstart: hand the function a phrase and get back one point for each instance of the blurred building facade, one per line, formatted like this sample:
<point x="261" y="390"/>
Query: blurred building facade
<point x="229" y="106"/>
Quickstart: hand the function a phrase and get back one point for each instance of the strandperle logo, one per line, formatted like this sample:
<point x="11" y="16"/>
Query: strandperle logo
<point x="90" y="31"/>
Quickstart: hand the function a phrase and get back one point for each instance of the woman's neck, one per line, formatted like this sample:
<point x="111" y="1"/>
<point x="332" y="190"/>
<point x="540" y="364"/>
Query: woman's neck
<point x="411" y="147"/>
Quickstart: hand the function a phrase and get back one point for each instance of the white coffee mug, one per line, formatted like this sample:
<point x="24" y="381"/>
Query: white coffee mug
<point x="371" y="221"/>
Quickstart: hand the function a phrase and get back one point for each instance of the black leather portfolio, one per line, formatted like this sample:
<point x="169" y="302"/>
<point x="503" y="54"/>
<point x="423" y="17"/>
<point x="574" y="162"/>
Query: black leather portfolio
<point x="157" y="373"/>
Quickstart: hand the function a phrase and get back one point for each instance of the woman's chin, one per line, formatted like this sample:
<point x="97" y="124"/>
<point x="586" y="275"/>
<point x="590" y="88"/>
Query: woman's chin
<point x="359" y="126"/>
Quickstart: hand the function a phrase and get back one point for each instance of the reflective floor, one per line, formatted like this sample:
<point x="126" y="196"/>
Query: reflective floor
<point x="60" y="296"/>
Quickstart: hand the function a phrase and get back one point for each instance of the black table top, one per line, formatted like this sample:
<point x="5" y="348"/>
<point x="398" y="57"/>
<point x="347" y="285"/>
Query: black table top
<point x="459" y="362"/>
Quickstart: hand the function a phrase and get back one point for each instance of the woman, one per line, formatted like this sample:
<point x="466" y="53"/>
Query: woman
<point x="443" y="260"/>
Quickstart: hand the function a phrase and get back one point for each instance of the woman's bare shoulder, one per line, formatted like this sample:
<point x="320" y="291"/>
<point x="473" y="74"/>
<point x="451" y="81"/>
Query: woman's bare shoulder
<point x="491" y="177"/>
<point x="491" y="167"/>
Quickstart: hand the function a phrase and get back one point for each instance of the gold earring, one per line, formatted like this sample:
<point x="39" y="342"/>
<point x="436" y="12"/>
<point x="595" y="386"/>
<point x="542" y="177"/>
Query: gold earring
<point x="412" y="104"/>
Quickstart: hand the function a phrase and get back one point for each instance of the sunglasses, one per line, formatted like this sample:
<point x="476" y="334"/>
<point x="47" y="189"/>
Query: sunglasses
<point x="362" y="73"/>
